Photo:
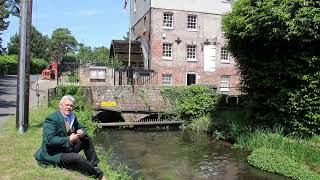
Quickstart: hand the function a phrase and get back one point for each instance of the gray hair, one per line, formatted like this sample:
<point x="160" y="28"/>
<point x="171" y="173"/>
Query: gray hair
<point x="67" y="97"/>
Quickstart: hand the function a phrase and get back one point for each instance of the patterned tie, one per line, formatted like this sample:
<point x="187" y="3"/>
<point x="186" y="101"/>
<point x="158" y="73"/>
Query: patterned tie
<point x="68" y="120"/>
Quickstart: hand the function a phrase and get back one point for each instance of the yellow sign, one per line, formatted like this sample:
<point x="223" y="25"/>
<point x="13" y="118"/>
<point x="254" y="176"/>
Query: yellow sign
<point x="108" y="103"/>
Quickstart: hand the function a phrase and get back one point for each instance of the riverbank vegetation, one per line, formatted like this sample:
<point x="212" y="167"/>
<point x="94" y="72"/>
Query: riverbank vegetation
<point x="275" y="44"/>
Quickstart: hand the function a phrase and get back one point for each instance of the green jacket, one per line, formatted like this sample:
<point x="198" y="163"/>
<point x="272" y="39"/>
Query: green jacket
<point x="55" y="139"/>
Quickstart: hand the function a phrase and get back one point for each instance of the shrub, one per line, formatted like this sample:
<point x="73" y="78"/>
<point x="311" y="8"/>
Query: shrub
<point x="200" y="124"/>
<point x="9" y="65"/>
<point x="37" y="65"/>
<point x="189" y="102"/>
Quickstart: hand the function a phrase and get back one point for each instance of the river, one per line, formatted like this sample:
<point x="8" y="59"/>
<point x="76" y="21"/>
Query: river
<point x="176" y="155"/>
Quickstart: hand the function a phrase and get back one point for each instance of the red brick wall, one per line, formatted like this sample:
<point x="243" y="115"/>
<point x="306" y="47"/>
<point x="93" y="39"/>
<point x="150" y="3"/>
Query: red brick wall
<point x="209" y="27"/>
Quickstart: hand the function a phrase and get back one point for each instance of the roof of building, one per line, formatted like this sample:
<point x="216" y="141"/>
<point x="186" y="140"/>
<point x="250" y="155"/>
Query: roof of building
<point x="120" y="49"/>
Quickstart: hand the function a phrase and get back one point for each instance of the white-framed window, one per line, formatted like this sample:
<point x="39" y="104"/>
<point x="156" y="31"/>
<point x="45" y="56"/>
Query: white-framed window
<point x="167" y="51"/>
<point x="224" y="83"/>
<point x="191" y="53"/>
<point x="192" y="22"/>
<point x="167" y="20"/>
<point x="97" y="74"/>
<point x="167" y="79"/>
<point x="225" y="56"/>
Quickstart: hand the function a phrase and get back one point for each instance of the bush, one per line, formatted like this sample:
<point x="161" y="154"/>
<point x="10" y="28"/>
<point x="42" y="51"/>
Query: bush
<point x="278" y="162"/>
<point x="189" y="102"/>
<point x="9" y="65"/>
<point x="276" y="46"/>
<point x="200" y="124"/>
<point x="37" y="65"/>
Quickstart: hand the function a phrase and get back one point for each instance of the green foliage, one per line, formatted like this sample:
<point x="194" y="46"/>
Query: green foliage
<point x="189" y="102"/>
<point x="61" y="42"/>
<point x="302" y="151"/>
<point x="4" y="14"/>
<point x="82" y="108"/>
<point x="199" y="124"/>
<point x="37" y="65"/>
<point x="276" y="161"/>
<point x="276" y="45"/>
<point x="9" y="65"/>
<point x="144" y="98"/>
<point x="39" y="44"/>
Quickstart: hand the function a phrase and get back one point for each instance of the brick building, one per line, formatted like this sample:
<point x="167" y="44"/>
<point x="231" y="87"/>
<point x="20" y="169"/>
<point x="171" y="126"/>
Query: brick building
<point x="183" y="42"/>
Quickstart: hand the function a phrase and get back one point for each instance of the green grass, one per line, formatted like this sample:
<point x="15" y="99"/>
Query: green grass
<point x="16" y="153"/>
<point x="305" y="152"/>
<point x="276" y="161"/>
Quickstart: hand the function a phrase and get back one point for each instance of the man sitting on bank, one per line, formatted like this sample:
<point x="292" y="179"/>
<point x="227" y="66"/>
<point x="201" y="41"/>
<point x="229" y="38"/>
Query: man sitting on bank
<point x="64" y="138"/>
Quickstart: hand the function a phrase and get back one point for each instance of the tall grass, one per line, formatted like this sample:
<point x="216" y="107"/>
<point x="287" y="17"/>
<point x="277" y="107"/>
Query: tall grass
<point x="303" y="151"/>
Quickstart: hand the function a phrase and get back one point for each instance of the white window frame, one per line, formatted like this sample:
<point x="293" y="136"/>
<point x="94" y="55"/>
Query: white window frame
<point x="192" y="22"/>
<point x="167" y="20"/>
<point x="225" y="55"/>
<point x="225" y="83"/>
<point x="191" y="52"/>
<point x="167" y="79"/>
<point x="167" y="51"/>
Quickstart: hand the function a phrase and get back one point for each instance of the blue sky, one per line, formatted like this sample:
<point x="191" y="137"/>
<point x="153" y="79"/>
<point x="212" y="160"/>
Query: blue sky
<point x="93" y="22"/>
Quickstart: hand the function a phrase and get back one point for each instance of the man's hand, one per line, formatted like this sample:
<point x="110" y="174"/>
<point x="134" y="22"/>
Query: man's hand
<point x="80" y="133"/>
<point x="74" y="137"/>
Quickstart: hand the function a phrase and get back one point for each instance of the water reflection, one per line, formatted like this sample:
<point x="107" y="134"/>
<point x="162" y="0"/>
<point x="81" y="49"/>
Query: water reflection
<point x="166" y="155"/>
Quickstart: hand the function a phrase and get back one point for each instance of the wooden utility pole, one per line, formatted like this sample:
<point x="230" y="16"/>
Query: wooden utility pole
<point x="22" y="108"/>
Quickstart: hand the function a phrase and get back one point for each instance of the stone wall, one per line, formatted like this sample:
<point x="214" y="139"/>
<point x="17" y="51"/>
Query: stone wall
<point x="129" y="98"/>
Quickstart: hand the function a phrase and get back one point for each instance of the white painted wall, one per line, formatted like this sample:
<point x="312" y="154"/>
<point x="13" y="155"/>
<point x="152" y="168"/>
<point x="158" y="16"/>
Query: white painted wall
<point x="206" y="6"/>
<point x="142" y="7"/>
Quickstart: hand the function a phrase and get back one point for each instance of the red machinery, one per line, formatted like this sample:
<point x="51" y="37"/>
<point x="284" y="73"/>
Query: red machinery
<point x="50" y="72"/>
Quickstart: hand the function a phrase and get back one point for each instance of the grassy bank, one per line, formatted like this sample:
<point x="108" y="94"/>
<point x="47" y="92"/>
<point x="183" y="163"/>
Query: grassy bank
<point x="290" y="156"/>
<point x="16" y="153"/>
<point x="270" y="149"/>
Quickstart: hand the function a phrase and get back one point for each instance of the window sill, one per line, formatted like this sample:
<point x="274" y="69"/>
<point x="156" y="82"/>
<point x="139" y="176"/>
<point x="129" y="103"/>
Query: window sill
<point x="224" y="89"/>
<point x="168" y="28"/>
<point x="191" y="60"/>
<point x="193" y="30"/>
<point x="167" y="58"/>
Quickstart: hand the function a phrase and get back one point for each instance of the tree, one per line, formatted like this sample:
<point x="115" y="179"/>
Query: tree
<point x="4" y="14"/>
<point x="101" y="55"/>
<point x="39" y="44"/>
<point x="62" y="41"/>
<point x="276" y="45"/>
<point x="85" y="54"/>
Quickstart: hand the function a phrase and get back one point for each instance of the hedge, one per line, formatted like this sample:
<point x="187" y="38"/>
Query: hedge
<point x="9" y="65"/>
